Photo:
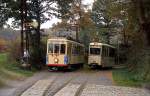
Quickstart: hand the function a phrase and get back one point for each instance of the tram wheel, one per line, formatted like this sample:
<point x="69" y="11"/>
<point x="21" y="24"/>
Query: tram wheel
<point x="52" y="69"/>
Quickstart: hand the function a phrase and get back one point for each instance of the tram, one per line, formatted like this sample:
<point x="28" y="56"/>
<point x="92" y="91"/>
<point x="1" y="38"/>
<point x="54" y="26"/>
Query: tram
<point x="101" y="55"/>
<point x="64" y="53"/>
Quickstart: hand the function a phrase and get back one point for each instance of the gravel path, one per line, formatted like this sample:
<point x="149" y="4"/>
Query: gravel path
<point x="61" y="80"/>
<point x="101" y="90"/>
<point x="15" y="88"/>
<point x="39" y="88"/>
<point x="77" y="83"/>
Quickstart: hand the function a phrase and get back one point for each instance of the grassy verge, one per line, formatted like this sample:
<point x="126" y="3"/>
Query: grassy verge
<point x="123" y="77"/>
<point x="11" y="70"/>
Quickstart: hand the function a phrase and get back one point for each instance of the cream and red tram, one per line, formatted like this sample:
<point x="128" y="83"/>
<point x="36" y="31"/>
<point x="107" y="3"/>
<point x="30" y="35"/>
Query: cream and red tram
<point x="65" y="53"/>
<point x="101" y="54"/>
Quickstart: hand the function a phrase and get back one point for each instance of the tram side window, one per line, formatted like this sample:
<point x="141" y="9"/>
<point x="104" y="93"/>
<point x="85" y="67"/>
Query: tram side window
<point x="111" y="52"/>
<point x="50" y="48"/>
<point x="75" y="49"/>
<point x="105" y="51"/>
<point x="56" y="48"/>
<point x="81" y="50"/>
<point x="78" y="49"/>
<point x="69" y="49"/>
<point x="62" y="48"/>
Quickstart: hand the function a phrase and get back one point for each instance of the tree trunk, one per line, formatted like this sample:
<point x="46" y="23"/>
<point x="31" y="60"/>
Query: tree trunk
<point x="143" y="21"/>
<point x="22" y="20"/>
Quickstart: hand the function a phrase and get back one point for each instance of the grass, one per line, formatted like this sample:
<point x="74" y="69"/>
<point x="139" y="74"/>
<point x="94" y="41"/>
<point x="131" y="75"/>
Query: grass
<point x="123" y="77"/>
<point x="11" y="70"/>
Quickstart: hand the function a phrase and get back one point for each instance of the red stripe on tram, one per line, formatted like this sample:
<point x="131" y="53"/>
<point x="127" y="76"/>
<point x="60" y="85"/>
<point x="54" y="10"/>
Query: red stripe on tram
<point x="59" y="65"/>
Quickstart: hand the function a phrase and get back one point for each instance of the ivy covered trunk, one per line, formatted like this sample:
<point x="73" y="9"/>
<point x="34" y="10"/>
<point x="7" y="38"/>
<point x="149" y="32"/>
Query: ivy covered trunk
<point x="36" y="48"/>
<point x="142" y="10"/>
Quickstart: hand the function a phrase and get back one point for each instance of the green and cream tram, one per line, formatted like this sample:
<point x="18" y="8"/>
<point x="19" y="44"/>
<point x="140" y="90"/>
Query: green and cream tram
<point x="101" y="54"/>
<point x="64" y="53"/>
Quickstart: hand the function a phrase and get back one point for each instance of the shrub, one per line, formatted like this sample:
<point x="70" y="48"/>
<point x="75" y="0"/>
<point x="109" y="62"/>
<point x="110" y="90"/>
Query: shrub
<point x="14" y="50"/>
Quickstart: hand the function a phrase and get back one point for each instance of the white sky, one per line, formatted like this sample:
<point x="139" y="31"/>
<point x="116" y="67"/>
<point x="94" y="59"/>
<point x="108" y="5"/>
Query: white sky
<point x="55" y="20"/>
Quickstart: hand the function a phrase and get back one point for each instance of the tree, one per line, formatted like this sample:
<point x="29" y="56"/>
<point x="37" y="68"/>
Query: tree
<point x="133" y="15"/>
<point x="102" y="19"/>
<point x="142" y="11"/>
<point x="23" y="11"/>
<point x="87" y="28"/>
<point x="4" y="11"/>
<point x="37" y="10"/>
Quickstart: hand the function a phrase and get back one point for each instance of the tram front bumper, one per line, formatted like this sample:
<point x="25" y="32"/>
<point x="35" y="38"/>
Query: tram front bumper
<point x="57" y="65"/>
<point x="93" y="65"/>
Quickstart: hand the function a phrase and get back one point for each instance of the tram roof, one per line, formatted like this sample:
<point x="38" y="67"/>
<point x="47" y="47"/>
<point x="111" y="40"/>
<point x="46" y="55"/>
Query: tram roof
<point x="101" y="44"/>
<point x="57" y="38"/>
<point x="64" y="39"/>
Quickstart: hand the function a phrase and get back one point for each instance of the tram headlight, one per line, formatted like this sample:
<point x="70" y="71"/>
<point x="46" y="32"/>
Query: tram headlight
<point x="56" y="60"/>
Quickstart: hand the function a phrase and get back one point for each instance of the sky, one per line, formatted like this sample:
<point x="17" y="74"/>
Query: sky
<point x="54" y="20"/>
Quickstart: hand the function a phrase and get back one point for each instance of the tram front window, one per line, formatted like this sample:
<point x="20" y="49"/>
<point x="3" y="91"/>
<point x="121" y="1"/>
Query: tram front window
<point x="57" y="48"/>
<point x="95" y="51"/>
<point x="50" y="48"/>
<point x="62" y="48"/>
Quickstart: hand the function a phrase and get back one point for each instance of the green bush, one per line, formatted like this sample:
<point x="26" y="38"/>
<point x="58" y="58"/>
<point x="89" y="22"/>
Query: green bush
<point x="11" y="70"/>
<point x="125" y="78"/>
<point x="140" y="64"/>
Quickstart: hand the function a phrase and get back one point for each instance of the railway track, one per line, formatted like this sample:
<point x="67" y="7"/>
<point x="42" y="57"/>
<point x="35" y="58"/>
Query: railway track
<point x="80" y="84"/>
<point x="77" y="83"/>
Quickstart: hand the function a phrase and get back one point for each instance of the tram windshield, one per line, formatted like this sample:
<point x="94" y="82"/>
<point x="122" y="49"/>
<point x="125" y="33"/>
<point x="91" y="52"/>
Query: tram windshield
<point x="95" y="51"/>
<point x="56" y="48"/>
